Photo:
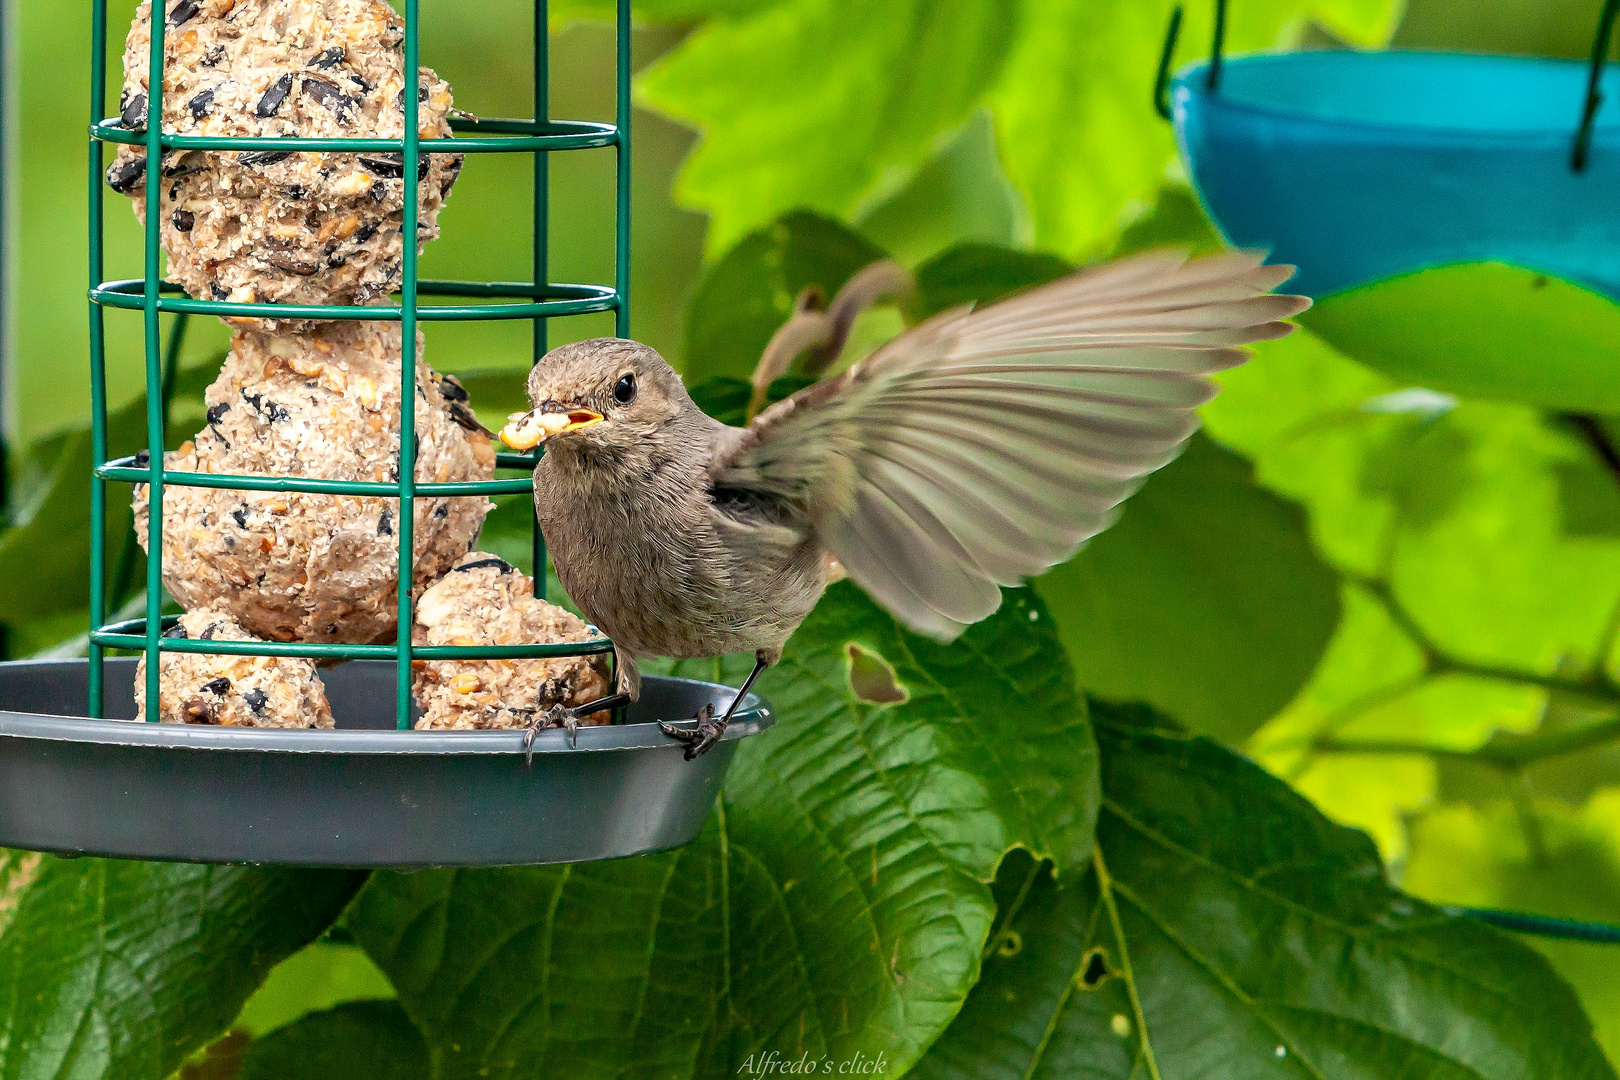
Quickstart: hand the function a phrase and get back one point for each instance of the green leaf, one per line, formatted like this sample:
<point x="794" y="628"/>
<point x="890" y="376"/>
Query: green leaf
<point x="1205" y="599"/>
<point x="1465" y="509"/>
<point x="836" y="905"/>
<point x="371" y="1039"/>
<point x="824" y="104"/>
<point x="1483" y="329"/>
<point x="1074" y="112"/>
<point x="44" y="555"/>
<point x="1539" y="856"/>
<point x="980" y="274"/>
<point x="959" y="195"/>
<point x="1228" y="929"/>
<point x="725" y="398"/>
<point x="746" y="296"/>
<point x="1176" y="221"/>
<point x="317" y="977"/>
<point x="123" y="969"/>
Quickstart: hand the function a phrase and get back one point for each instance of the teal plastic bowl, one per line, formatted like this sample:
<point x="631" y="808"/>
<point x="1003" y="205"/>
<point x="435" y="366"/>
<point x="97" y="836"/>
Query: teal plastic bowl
<point x="1360" y="166"/>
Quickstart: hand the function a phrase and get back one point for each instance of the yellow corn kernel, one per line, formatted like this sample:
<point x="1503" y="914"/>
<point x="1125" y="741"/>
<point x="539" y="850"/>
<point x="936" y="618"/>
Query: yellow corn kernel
<point x="466" y="683"/>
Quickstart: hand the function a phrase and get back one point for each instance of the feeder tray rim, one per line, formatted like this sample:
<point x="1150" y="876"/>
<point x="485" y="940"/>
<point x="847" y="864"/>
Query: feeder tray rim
<point x="754" y="716"/>
<point x="1192" y="79"/>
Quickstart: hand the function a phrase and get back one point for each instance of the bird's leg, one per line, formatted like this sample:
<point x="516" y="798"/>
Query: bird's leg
<point x="568" y="718"/>
<point x="700" y="739"/>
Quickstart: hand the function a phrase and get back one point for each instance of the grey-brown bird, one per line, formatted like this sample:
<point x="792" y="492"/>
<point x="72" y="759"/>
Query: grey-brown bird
<point x="973" y="451"/>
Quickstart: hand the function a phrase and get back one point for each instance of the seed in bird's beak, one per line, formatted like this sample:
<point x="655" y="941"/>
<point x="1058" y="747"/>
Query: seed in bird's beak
<point x="525" y="431"/>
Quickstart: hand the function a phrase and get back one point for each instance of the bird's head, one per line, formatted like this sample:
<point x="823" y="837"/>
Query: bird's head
<point x="606" y="392"/>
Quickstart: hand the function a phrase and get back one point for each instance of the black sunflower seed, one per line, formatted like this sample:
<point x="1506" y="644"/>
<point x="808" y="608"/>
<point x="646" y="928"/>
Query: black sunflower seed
<point x="220" y="686"/>
<point x="288" y="265"/>
<point x="328" y="94"/>
<point x="213" y="56"/>
<point x="200" y="104"/>
<point x="210" y="630"/>
<point x="256" y="699"/>
<point x="385" y="524"/>
<point x="329" y="59"/>
<point x="262" y="157"/>
<point x="443" y="511"/>
<point x="132" y="110"/>
<point x="240" y="516"/>
<point x="183" y="220"/>
<point x="392" y="166"/>
<point x="183" y="12"/>
<point x="270" y="103"/>
<point x="126" y="174"/>
<point x="365" y="232"/>
<point x="500" y="564"/>
<point x="175" y="631"/>
<point x="216" y="412"/>
<point x="217" y="290"/>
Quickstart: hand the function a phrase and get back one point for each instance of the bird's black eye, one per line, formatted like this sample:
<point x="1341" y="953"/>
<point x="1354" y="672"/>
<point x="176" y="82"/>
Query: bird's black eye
<point x="624" y="391"/>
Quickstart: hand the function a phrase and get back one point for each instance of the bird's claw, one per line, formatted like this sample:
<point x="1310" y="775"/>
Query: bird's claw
<point x="556" y="716"/>
<point x="700" y="739"/>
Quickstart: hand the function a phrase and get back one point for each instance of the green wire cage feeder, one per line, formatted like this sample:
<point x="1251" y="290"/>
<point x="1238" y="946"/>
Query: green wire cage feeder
<point x="373" y="792"/>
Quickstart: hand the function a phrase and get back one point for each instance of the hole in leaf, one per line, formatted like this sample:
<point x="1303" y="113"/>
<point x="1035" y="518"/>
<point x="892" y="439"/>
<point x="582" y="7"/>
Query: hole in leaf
<point x="872" y="679"/>
<point x="1094" y="968"/>
<point x="1010" y="943"/>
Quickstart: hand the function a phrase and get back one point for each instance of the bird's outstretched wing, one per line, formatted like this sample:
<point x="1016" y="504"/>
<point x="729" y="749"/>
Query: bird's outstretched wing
<point x="982" y="447"/>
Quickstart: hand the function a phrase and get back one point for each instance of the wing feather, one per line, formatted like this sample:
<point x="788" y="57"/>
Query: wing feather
<point x="982" y="447"/>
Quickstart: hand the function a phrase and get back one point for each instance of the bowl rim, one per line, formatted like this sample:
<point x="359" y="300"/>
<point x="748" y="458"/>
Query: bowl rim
<point x="1187" y="82"/>
<point x="755" y="715"/>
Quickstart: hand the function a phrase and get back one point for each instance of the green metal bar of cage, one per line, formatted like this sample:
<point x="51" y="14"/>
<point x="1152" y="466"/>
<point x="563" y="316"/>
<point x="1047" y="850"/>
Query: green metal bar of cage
<point x="537" y="300"/>
<point x="124" y="470"/>
<point x="571" y="300"/>
<point x="411" y="99"/>
<point x="621" y="216"/>
<point x="98" y="371"/>
<point x="540" y="228"/>
<point x="154" y="373"/>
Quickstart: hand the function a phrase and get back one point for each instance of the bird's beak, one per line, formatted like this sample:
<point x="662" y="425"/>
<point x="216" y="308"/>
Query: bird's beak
<point x="525" y="431"/>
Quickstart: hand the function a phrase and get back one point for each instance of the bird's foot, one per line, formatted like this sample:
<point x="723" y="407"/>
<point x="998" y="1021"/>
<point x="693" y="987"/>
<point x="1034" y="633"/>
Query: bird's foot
<point x="556" y="716"/>
<point x="699" y="740"/>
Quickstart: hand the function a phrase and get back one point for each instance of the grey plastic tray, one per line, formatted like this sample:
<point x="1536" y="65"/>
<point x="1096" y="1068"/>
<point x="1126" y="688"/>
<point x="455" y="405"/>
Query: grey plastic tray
<point x="363" y="795"/>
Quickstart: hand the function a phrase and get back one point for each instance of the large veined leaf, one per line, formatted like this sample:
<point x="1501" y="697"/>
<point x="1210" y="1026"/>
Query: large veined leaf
<point x="123" y="969"/>
<point x="1539" y="856"/>
<point x="836" y="904"/>
<point x="835" y="104"/>
<point x="1074" y="108"/>
<point x="1486" y="330"/>
<point x="1228" y="929"/>
<point x="371" y="1039"/>
<point x="822" y="103"/>
<point x="1205" y="599"/>
<point x="958" y="195"/>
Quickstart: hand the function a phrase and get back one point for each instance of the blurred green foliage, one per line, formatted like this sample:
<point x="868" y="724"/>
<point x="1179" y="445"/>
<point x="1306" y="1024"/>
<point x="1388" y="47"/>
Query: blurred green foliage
<point x="1380" y="593"/>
